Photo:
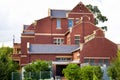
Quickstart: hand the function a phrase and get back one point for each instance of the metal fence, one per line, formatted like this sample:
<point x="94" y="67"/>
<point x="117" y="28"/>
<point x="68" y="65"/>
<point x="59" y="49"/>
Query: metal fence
<point x="16" y="76"/>
<point x="43" y="75"/>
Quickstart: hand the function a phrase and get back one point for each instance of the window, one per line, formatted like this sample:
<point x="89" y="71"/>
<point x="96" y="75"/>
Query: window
<point x="92" y="61"/>
<point x="77" y="20"/>
<point x="70" y="23"/>
<point x="58" y="59"/>
<point x="86" y="60"/>
<point x="58" y="41"/>
<point x="63" y="59"/>
<point x="58" y="23"/>
<point x="100" y="61"/>
<point x="106" y="61"/>
<point x="28" y="45"/>
<point x="77" y="40"/>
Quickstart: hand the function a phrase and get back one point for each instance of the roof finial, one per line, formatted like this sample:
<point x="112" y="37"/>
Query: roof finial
<point x="13" y="39"/>
<point x="80" y="2"/>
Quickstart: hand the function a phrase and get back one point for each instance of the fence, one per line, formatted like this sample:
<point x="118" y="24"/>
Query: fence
<point x="43" y="75"/>
<point x="16" y="76"/>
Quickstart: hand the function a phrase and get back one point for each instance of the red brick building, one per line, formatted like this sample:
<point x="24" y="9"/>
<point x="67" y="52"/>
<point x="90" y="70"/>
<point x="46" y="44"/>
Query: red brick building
<point x="63" y="37"/>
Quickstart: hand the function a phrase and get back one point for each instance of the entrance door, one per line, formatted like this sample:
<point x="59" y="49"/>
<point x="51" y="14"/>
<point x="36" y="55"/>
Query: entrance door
<point x="59" y="69"/>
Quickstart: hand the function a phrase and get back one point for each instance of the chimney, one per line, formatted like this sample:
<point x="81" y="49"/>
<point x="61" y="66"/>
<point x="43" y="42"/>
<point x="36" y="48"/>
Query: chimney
<point x="49" y="12"/>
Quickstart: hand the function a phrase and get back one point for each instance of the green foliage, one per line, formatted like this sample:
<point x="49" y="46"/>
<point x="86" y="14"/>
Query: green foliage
<point x="6" y="50"/>
<point x="45" y="75"/>
<point x="98" y="72"/>
<point x="7" y="66"/>
<point x="114" y="69"/>
<point x="33" y="70"/>
<point x="91" y="73"/>
<point x="104" y="28"/>
<point x="28" y="79"/>
<point x="87" y="73"/>
<point x="112" y="72"/>
<point x="72" y="72"/>
<point x="16" y="76"/>
<point x="37" y="66"/>
<point x="97" y="14"/>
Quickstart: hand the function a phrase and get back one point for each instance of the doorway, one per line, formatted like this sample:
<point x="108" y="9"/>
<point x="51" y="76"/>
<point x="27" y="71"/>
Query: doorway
<point x="59" y="69"/>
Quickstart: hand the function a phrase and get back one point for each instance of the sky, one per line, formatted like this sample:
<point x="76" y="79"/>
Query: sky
<point x="15" y="13"/>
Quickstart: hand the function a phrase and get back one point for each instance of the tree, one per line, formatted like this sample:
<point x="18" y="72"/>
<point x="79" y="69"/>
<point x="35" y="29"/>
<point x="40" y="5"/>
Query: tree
<point x="97" y="72"/>
<point x="114" y="69"/>
<point x="35" y="68"/>
<point x="37" y="65"/>
<point x="72" y="72"/>
<point x="6" y="50"/>
<point x="7" y="66"/>
<point x="87" y="73"/>
<point x="91" y="73"/>
<point x="97" y="14"/>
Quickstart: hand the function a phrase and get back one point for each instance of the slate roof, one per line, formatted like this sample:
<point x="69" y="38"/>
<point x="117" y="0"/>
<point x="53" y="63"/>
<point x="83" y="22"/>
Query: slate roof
<point x="28" y="29"/>
<point x="25" y="27"/>
<point x="59" y="13"/>
<point x="28" y="32"/>
<point x="51" y="48"/>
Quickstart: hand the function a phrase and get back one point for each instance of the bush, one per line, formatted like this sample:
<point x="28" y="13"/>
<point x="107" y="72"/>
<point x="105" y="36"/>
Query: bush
<point x="74" y="72"/>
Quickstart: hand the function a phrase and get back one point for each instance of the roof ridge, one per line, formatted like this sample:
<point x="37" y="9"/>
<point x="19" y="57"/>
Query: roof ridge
<point x="60" y="9"/>
<point x="56" y="45"/>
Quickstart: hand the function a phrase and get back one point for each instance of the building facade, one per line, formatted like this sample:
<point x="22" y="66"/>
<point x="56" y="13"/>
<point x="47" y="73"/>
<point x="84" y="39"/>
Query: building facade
<point x="63" y="37"/>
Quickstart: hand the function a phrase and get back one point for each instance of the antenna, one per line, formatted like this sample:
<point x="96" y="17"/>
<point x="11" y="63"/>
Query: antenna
<point x="13" y="39"/>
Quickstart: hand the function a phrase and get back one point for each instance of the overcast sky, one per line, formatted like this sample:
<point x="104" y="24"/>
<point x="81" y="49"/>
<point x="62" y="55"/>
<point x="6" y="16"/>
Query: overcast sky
<point x="15" y="13"/>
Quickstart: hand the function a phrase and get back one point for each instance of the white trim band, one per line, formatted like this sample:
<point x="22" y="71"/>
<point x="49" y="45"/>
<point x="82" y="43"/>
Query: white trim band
<point x="48" y="34"/>
<point x="96" y="57"/>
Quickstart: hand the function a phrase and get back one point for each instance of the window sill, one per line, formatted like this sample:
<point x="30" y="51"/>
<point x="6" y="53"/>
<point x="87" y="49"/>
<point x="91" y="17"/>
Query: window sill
<point x="58" y="28"/>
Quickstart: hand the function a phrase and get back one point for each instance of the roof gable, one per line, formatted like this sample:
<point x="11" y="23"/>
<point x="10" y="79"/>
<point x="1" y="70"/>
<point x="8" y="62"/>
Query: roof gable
<point x="80" y="8"/>
<point x="89" y="28"/>
<point x="31" y="27"/>
<point x="99" y="47"/>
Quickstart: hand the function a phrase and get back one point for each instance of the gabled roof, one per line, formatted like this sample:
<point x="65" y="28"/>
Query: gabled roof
<point x="80" y="7"/>
<point x="31" y="27"/>
<point x="89" y="28"/>
<point x="99" y="47"/>
<point x="58" y="13"/>
<point x="52" y="49"/>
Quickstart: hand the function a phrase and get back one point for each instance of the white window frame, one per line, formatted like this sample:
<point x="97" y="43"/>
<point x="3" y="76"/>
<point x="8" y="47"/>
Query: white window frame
<point x="64" y="58"/>
<point x="59" y="41"/>
<point x="77" y="39"/>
